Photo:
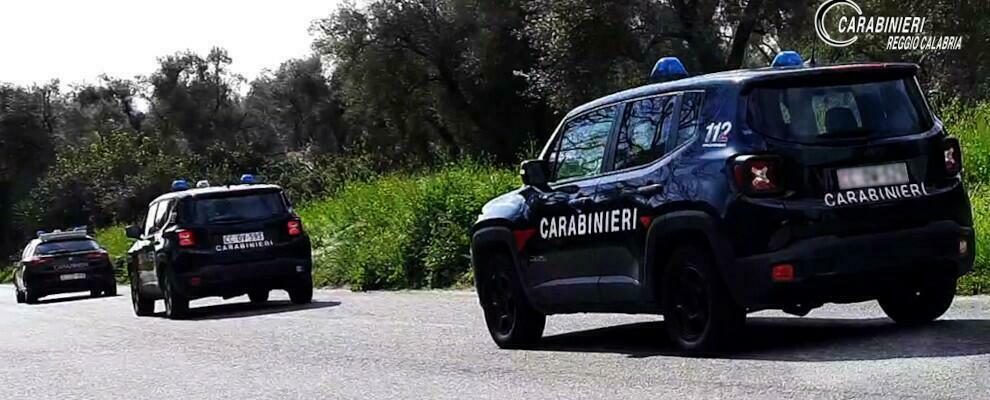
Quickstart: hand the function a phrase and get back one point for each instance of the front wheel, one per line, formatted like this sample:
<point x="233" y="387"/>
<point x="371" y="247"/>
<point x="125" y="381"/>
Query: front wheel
<point x="512" y="322"/>
<point x="19" y="295"/>
<point x="258" y="296"/>
<point x="142" y="307"/>
<point x="699" y="314"/>
<point x="922" y="303"/>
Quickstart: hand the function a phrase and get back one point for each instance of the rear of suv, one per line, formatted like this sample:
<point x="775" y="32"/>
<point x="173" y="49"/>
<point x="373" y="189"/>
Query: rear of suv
<point x="63" y="262"/>
<point x="222" y="241"/>
<point x="709" y="197"/>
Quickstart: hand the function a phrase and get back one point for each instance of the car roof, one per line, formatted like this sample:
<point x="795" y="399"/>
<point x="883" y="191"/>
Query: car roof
<point x="739" y="78"/>
<point x="213" y="190"/>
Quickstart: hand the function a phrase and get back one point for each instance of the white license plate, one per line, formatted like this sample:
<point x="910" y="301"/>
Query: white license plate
<point x="244" y="238"/>
<point x="872" y="176"/>
<point x="71" y="277"/>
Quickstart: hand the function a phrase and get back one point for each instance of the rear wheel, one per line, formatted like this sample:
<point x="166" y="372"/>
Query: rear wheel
<point x="699" y="314"/>
<point x="302" y="292"/>
<point x="176" y="305"/>
<point x="512" y="322"/>
<point x="30" y="297"/>
<point x="111" y="290"/>
<point x="142" y="307"/>
<point x="95" y="293"/>
<point x="20" y="296"/>
<point x="258" y="296"/>
<point x="921" y="303"/>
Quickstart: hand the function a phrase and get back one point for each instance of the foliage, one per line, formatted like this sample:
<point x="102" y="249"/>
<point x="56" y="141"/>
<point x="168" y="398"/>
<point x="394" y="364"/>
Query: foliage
<point x="402" y="230"/>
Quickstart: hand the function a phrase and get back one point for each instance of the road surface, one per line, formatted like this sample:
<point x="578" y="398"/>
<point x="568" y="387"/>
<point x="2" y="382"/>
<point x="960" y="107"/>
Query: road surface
<point x="433" y="345"/>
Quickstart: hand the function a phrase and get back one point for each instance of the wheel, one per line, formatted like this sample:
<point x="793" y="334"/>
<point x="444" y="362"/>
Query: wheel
<point x="512" y="322"/>
<point x="258" y="296"/>
<point x="30" y="297"/>
<point x="95" y="293"/>
<point x="19" y="295"/>
<point x="176" y="305"/>
<point x="302" y="292"/>
<point x="699" y="314"/>
<point x="111" y="290"/>
<point x="922" y="303"/>
<point x="142" y="307"/>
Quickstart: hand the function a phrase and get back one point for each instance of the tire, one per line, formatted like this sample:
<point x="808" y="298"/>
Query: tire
<point x="30" y="297"/>
<point x="176" y="305"/>
<point x="142" y="307"/>
<point x="111" y="290"/>
<point x="512" y="321"/>
<point x="258" y="296"/>
<point x="95" y="293"/>
<point x="699" y="314"/>
<point x="922" y="303"/>
<point x="19" y="295"/>
<point x="302" y="292"/>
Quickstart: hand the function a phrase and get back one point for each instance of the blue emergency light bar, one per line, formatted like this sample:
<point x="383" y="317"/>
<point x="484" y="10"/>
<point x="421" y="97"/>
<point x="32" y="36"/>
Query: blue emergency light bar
<point x="668" y="69"/>
<point x="248" y="179"/>
<point x="787" y="58"/>
<point x="179" y="184"/>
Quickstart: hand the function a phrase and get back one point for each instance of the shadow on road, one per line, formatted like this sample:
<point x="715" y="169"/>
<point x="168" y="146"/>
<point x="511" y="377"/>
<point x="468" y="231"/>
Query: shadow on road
<point x="74" y="297"/>
<point x="247" y="309"/>
<point x="796" y="339"/>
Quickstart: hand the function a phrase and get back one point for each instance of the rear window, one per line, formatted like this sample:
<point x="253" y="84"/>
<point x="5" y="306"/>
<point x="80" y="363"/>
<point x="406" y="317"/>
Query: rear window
<point x="231" y="209"/>
<point x="67" y="246"/>
<point x="810" y="114"/>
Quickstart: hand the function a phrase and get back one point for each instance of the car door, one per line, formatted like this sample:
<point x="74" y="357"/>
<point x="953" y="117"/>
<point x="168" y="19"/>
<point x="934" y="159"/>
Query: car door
<point x="142" y="251"/>
<point x="639" y="182"/>
<point x="562" y="267"/>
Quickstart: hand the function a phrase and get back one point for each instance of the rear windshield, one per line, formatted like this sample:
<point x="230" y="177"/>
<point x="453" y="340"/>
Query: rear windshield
<point x="231" y="209"/>
<point x="67" y="246"/>
<point x="809" y="114"/>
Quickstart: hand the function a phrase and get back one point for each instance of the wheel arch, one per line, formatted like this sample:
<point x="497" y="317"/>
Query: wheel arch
<point x="496" y="238"/>
<point x="698" y="226"/>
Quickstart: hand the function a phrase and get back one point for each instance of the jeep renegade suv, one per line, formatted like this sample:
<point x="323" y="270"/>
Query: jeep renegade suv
<point x="708" y="197"/>
<point x="218" y="241"/>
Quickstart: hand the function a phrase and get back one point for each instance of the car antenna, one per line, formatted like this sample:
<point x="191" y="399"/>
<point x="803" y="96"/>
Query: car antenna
<point x="813" y="61"/>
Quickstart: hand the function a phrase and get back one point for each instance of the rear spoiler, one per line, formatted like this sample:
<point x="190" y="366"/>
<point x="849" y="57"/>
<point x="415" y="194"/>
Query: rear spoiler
<point x="846" y="73"/>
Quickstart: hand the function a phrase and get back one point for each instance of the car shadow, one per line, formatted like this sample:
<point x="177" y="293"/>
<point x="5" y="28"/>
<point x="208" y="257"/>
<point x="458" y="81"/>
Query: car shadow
<point x="796" y="339"/>
<point x="75" y="297"/>
<point x="248" y="309"/>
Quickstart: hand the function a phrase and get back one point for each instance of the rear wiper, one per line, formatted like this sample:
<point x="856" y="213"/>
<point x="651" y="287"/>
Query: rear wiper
<point x="226" y="219"/>
<point x="848" y="134"/>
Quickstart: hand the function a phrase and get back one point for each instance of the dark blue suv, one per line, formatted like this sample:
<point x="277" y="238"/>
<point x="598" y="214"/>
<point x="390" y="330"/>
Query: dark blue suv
<point x="709" y="197"/>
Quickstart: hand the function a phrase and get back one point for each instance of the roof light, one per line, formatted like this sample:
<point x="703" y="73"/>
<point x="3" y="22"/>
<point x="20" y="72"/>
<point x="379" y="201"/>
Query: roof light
<point x="668" y="69"/>
<point x="39" y="233"/>
<point x="248" y="179"/>
<point x="787" y="58"/>
<point x="179" y="184"/>
<point x="203" y="184"/>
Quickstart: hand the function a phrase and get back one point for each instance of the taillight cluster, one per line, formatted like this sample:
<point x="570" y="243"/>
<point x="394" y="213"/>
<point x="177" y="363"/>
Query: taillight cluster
<point x="98" y="255"/>
<point x="38" y="261"/>
<point x="186" y="238"/>
<point x="294" y="227"/>
<point x="952" y="154"/>
<point x="758" y="174"/>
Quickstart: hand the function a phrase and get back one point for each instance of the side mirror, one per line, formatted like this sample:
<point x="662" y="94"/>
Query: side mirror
<point x="14" y="258"/>
<point x="133" y="231"/>
<point x="534" y="173"/>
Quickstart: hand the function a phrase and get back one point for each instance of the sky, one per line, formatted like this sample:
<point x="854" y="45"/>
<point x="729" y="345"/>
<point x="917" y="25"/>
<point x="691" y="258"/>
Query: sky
<point x="76" y="41"/>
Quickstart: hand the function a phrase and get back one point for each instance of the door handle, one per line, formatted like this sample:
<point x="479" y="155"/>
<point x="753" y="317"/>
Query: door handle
<point x="648" y="190"/>
<point x="580" y="201"/>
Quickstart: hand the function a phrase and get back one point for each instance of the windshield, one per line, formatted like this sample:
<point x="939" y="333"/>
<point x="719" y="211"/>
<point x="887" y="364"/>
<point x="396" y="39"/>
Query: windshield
<point x="68" y="246"/>
<point x="819" y="113"/>
<point x="237" y="208"/>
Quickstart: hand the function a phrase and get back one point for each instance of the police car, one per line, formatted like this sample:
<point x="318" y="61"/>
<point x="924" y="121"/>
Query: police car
<point x="705" y="198"/>
<point x="63" y="262"/>
<point x="218" y="241"/>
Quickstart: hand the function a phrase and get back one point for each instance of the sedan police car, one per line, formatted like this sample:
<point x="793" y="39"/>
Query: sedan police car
<point x="709" y="197"/>
<point x="63" y="262"/>
<point x="222" y="241"/>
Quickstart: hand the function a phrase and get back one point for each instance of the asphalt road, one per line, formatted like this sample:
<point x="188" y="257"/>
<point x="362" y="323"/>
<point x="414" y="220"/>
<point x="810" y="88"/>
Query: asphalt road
<point x="433" y="345"/>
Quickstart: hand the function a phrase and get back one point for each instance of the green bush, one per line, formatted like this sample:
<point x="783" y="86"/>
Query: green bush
<point x="402" y="230"/>
<point x="978" y="282"/>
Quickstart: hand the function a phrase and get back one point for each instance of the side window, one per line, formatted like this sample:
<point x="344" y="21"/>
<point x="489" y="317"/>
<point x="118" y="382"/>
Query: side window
<point x="582" y="145"/>
<point x="641" y="138"/>
<point x="687" y="126"/>
<point x="162" y="214"/>
<point x="28" y="251"/>
<point x="149" y="222"/>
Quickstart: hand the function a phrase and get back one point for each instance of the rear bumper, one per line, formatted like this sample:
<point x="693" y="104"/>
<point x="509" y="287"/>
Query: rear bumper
<point x="43" y="284"/>
<point x="237" y="279"/>
<point x="855" y="268"/>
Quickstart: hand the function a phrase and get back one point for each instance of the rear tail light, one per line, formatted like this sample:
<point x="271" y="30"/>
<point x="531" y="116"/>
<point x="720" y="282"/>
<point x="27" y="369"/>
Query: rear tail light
<point x="294" y="227"/>
<point x="99" y="255"/>
<point x="38" y="261"/>
<point x="952" y="154"/>
<point x="186" y="238"/>
<point x="782" y="273"/>
<point x="758" y="174"/>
